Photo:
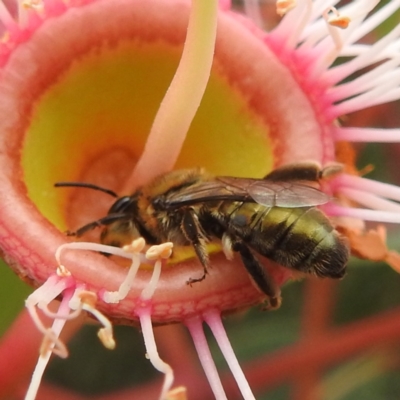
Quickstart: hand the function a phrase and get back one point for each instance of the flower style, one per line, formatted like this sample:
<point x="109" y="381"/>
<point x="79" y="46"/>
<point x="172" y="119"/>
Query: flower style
<point x="86" y="74"/>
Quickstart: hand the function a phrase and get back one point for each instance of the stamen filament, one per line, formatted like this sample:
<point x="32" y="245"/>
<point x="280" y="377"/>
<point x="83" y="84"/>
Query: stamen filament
<point x="316" y="30"/>
<point x="213" y="319"/>
<point x="151" y="287"/>
<point x="45" y="294"/>
<point x="367" y="135"/>
<point x="50" y="314"/>
<point x="5" y="16"/>
<point x="105" y="334"/>
<point x="331" y="52"/>
<point x="122" y="292"/>
<point x="252" y="9"/>
<point x="375" y="19"/>
<point x="380" y="95"/>
<point x="297" y="19"/>
<point x="152" y="352"/>
<point x="383" y="73"/>
<point x="367" y="185"/>
<point x="287" y="24"/>
<point x="372" y="55"/>
<point x="363" y="214"/>
<point x="116" y="251"/>
<point x="370" y="200"/>
<point x="200" y="342"/>
<point x="319" y="6"/>
<point x="57" y="327"/>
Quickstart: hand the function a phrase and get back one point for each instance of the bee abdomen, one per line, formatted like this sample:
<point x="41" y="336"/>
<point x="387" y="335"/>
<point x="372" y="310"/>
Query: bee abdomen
<point x="312" y="245"/>
<point x="298" y="238"/>
<point x="328" y="258"/>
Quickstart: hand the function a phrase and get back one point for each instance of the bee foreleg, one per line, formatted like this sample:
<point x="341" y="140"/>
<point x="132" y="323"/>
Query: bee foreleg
<point x="257" y="272"/>
<point x="193" y="232"/>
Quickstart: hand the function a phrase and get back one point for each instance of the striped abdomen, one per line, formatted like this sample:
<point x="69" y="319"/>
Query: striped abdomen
<point x="299" y="238"/>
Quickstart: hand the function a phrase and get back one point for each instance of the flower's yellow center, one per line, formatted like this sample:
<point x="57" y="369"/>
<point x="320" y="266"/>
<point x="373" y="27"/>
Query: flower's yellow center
<point x="105" y="103"/>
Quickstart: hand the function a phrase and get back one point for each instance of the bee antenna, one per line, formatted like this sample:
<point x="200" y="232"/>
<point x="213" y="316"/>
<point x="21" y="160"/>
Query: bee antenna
<point x="85" y="185"/>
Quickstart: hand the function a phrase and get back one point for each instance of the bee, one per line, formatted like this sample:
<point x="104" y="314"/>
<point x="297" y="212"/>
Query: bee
<point x="275" y="217"/>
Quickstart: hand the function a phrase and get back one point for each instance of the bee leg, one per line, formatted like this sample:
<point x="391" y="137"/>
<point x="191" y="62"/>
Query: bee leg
<point x="193" y="232"/>
<point x="257" y="272"/>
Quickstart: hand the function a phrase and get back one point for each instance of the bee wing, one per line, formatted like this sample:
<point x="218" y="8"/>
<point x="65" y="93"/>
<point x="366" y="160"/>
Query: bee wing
<point x="205" y="191"/>
<point x="262" y="191"/>
<point x="286" y="194"/>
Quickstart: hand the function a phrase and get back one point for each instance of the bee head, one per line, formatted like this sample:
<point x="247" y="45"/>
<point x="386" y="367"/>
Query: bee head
<point x="122" y="205"/>
<point x="122" y="228"/>
<point x="119" y="233"/>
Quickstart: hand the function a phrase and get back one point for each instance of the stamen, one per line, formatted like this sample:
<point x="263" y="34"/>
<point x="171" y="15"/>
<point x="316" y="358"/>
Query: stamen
<point x="362" y="214"/>
<point x="62" y="271"/>
<point x="295" y="23"/>
<point x="134" y="248"/>
<point x="126" y="285"/>
<point x="144" y="310"/>
<point x="179" y="393"/>
<point x="116" y="251"/>
<point x="252" y="9"/>
<point x="51" y="343"/>
<point x="370" y="200"/>
<point x="383" y="73"/>
<point x="58" y="324"/>
<point x="213" y="319"/>
<point x="43" y="295"/>
<point x="367" y="135"/>
<point x="379" y="95"/>
<point x="152" y="352"/>
<point x="88" y="301"/>
<point x="53" y="315"/>
<point x="337" y="20"/>
<point x="200" y="342"/>
<point x="335" y="35"/>
<point x="26" y="7"/>
<point x="375" y="19"/>
<point x="284" y="6"/>
<point x="367" y="185"/>
<point x="373" y="54"/>
<point x="315" y="31"/>
<point x="163" y="251"/>
<point x="5" y="16"/>
<point x="34" y="4"/>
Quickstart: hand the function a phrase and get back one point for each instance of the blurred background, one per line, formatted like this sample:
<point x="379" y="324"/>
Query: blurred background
<point x="328" y="341"/>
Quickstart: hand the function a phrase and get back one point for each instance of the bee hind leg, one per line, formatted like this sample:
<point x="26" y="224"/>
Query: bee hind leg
<point x="258" y="273"/>
<point x="193" y="232"/>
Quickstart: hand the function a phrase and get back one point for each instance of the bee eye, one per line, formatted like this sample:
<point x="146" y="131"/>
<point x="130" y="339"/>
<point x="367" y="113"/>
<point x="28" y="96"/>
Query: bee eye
<point x="121" y="205"/>
<point x="159" y="203"/>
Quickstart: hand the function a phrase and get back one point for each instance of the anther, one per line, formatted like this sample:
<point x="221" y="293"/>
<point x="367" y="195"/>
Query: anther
<point x="88" y="298"/>
<point x="159" y="251"/>
<point x="283" y="6"/>
<point x="336" y="19"/>
<point x="136" y="246"/>
<point x="62" y="271"/>
<point x="34" y="4"/>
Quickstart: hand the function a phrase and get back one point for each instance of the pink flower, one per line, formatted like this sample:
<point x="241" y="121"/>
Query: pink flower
<point x="80" y="88"/>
